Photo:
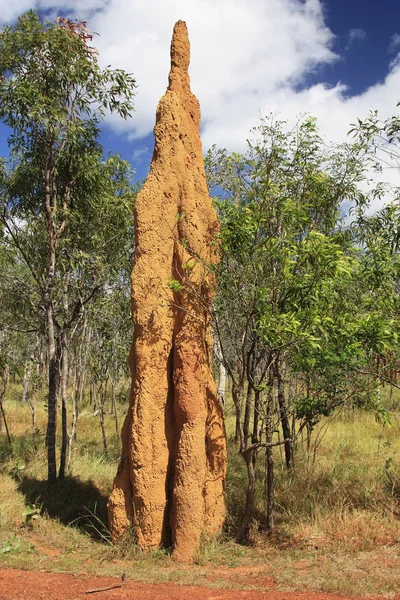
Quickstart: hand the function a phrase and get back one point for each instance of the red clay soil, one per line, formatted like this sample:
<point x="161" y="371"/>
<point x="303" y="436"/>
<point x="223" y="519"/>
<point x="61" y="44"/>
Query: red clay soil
<point x="35" y="585"/>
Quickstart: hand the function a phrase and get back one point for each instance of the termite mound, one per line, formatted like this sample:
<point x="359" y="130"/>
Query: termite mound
<point x="170" y="481"/>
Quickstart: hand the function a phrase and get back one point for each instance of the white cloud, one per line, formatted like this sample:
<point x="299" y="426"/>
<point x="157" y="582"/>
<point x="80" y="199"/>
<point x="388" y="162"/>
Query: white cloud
<point x="355" y="35"/>
<point x="394" y="42"/>
<point x="248" y="58"/>
<point x="10" y="10"/>
<point x="139" y="155"/>
<point x="394" y="63"/>
<point x="243" y="51"/>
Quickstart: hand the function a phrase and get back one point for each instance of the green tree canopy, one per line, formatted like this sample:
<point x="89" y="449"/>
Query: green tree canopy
<point x="65" y="208"/>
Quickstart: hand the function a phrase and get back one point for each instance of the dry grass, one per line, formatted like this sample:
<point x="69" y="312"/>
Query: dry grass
<point x="12" y="504"/>
<point x="337" y="517"/>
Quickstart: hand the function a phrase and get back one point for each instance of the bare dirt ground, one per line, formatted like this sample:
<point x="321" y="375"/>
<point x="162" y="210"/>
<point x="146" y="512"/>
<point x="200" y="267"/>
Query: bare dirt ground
<point x="37" y="585"/>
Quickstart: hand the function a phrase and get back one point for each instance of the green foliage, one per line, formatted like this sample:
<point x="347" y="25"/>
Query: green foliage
<point x="174" y="285"/>
<point x="50" y="78"/>
<point x="306" y="309"/>
<point x="65" y="208"/>
<point x="32" y="512"/>
<point x="289" y="270"/>
<point x="53" y="96"/>
<point x="16" y="544"/>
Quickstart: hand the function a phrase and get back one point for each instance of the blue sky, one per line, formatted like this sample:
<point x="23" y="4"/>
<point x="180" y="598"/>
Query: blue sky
<point x="364" y="33"/>
<point x="334" y="59"/>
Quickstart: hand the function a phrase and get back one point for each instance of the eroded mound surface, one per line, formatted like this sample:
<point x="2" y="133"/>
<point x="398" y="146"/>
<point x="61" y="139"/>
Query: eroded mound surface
<point x="170" y="480"/>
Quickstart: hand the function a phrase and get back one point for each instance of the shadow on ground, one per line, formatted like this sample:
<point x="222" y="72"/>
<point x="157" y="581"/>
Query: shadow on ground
<point x="71" y="501"/>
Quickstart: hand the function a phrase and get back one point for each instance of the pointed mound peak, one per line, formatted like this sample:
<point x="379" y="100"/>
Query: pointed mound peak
<point x="180" y="47"/>
<point x="180" y="55"/>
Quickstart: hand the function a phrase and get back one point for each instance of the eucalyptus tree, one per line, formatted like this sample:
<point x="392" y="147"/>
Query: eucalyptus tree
<point x="284" y="258"/>
<point x="63" y="205"/>
<point x="378" y="234"/>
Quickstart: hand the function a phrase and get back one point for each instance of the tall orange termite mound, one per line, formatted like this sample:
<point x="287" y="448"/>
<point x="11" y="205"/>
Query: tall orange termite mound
<point x="170" y="480"/>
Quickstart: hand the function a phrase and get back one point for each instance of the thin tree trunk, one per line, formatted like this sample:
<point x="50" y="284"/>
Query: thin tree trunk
<point x="64" y="423"/>
<point x="25" y="389"/>
<point x="78" y="389"/>
<point x="33" y="411"/>
<point x="236" y="395"/>
<point x="103" y="429"/>
<point x="269" y="460"/>
<point x="64" y="379"/>
<point x="38" y="359"/>
<point x="237" y="426"/>
<point x="250" y="458"/>
<point x="309" y="432"/>
<point x="293" y="394"/>
<point x="243" y="535"/>
<point x="256" y="419"/>
<point x="247" y="413"/>
<point x="79" y="401"/>
<point x="3" y="412"/>
<point x="76" y="394"/>
<point x="222" y="383"/>
<point x="105" y="392"/>
<point x="53" y="359"/>
<point x="283" y="413"/>
<point x="85" y="361"/>
<point x="222" y="371"/>
<point x="54" y="376"/>
<point x="94" y="399"/>
<point x="72" y="433"/>
<point x="26" y="380"/>
<point x="114" y="406"/>
<point x="86" y="349"/>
